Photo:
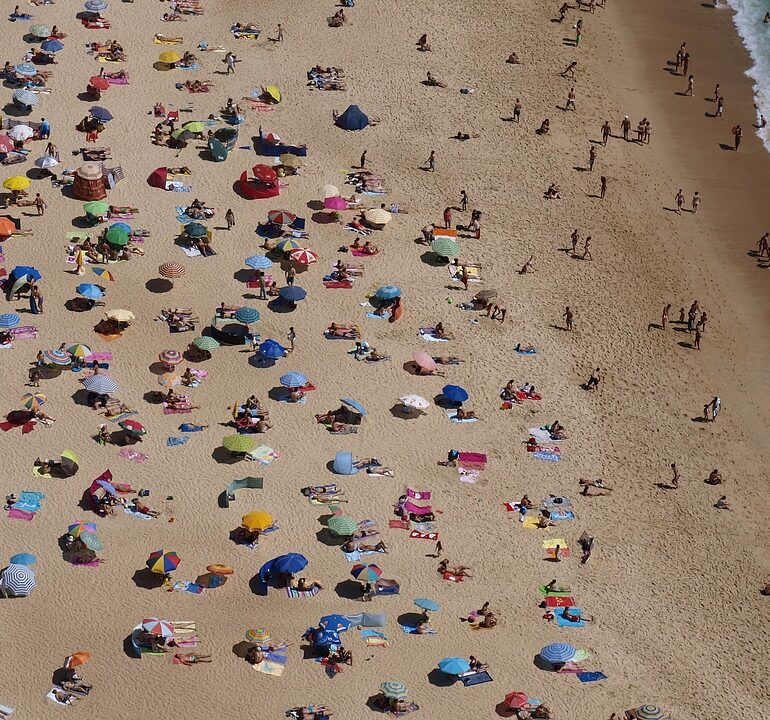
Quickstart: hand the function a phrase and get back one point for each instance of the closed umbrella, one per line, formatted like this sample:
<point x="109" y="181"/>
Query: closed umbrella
<point x="57" y="357"/>
<point x="377" y="216"/>
<point x="96" y="207"/>
<point x="9" y="320"/>
<point x="21" y="132"/>
<point x="25" y="97"/>
<point x="416" y="402"/>
<point x="16" y="182"/>
<point x="23" y="559"/>
<point x="205" y="343"/>
<point x="366" y="573"/>
<point x="170" y="357"/>
<point x="293" y="379"/>
<point x="258" y="262"/>
<point x="335" y="202"/>
<point x="342" y="525"/>
<point x="292" y="293"/>
<point x="290" y="563"/>
<point x="257" y="520"/>
<point x="239" y="443"/>
<point x="52" y="46"/>
<point x="388" y="292"/>
<point x="164" y="628"/>
<point x="171" y="270"/>
<point x="454" y="665"/>
<point x="91" y="541"/>
<point x="195" y="230"/>
<point x="46" y="162"/>
<point x="649" y="712"/>
<point x="353" y="405"/>
<point x="281" y="217"/>
<point x="163" y="561"/>
<point x="394" y="689"/>
<point x="272" y="350"/>
<point x="557" y="653"/>
<point x="40" y="31"/>
<point x="79" y="527"/>
<point x="335" y="623"/>
<point x="120" y="315"/>
<point x="427" y="604"/>
<point x="90" y="291"/>
<point x="303" y="256"/>
<point x="247" y="315"/>
<point x="445" y="247"/>
<point x="170" y="58"/>
<point x="101" y="384"/>
<point x="100" y="113"/>
<point x="18" y="579"/>
<point x="329" y="191"/>
<point x="117" y="236"/>
<point x="454" y="393"/>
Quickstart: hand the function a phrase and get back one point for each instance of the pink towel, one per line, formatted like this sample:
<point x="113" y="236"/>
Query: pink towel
<point x="133" y="455"/>
<point x="418" y="494"/>
<point x="177" y="410"/>
<point x="355" y="252"/>
<point x="473" y="457"/>
<point x="410" y="507"/>
<point x="21" y="514"/>
<point x="102" y="356"/>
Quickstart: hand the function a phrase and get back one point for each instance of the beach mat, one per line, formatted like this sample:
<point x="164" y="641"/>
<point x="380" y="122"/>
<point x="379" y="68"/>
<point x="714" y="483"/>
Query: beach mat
<point x="294" y="593"/>
<point x="478" y="678"/>
<point x="592" y="676"/>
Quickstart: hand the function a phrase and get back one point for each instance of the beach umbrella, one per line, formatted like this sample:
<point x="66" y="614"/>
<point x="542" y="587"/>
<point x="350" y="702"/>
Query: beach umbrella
<point x="258" y="262"/>
<point x="239" y="443"/>
<point x="557" y="653"/>
<point x="290" y="563"/>
<point x="516" y="700"/>
<point x="247" y="315"/>
<point x="96" y="6"/>
<point x="378" y="216"/>
<point x="9" y="320"/>
<point x="81" y="657"/>
<point x="96" y="207"/>
<point x="121" y="226"/>
<point x="120" y="315"/>
<point x="79" y="351"/>
<point x="325" y="638"/>
<point x="205" y="343"/>
<point x="292" y="293"/>
<point x="272" y="92"/>
<point x="366" y="573"/>
<point x="104" y="274"/>
<point x="133" y="427"/>
<point x="454" y="393"/>
<point x="195" y="230"/>
<point x="117" y="236"/>
<point x="454" y="665"/>
<point x="99" y="83"/>
<point x="79" y="527"/>
<point x="293" y="379"/>
<point x="181" y="135"/>
<point x="257" y="520"/>
<point x="7" y="226"/>
<point x="23" y="559"/>
<point x="18" y="579"/>
<point x="264" y="173"/>
<point x="100" y="384"/>
<point x="70" y="462"/>
<point x="89" y="290"/>
<point x="170" y="57"/>
<point x="169" y="380"/>
<point x="46" y="162"/>
<point x="342" y="525"/>
<point x="335" y="622"/>
<point x="649" y="712"/>
<point x="27" y="272"/>
<point x="424" y="360"/>
<point x="25" y="70"/>
<point x="171" y="270"/>
<point x="194" y="126"/>
<point x="170" y="357"/>
<point x="335" y="202"/>
<point x="329" y="191"/>
<point x="290" y="160"/>
<point x="53" y="45"/>
<point x="352" y="119"/>
<point x="445" y="247"/>
<point x="26" y="97"/>
<point x="394" y="689"/>
<point x="258" y="635"/>
<point x="163" y="561"/>
<point x="415" y="402"/>
<point x="218" y="569"/>
<point x="388" y="292"/>
<point x="303" y="256"/>
<point x="287" y="245"/>
<point x="353" y="405"/>
<point x="164" y="628"/>
<point x="6" y="144"/>
<point x="33" y="401"/>
<point x="427" y="604"/>
<point x="281" y="217"/>
<point x="100" y="113"/>
<point x="57" y="357"/>
<point x="16" y="182"/>
<point x="40" y="31"/>
<point x="21" y="132"/>
<point x="91" y="541"/>
<point x="272" y="349"/>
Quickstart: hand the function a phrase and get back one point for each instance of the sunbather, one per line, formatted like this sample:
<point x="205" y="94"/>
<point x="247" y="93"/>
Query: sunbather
<point x="192" y="658"/>
<point x="457" y="570"/>
<point x="303" y="585"/>
<point x="463" y="414"/>
<point x="143" y="508"/>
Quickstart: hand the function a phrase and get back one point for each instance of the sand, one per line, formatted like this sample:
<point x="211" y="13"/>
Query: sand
<point x="673" y="583"/>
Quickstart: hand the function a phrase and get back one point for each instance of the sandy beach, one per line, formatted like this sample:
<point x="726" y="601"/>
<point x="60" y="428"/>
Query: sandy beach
<point x="673" y="583"/>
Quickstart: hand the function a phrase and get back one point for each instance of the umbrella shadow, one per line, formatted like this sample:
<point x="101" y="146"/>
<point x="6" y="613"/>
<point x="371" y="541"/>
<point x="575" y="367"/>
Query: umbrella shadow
<point x="445" y="403"/>
<point x="241" y="648"/>
<point x="349" y="589"/>
<point x="315" y="205"/>
<point x="153" y="397"/>
<point x="412" y="368"/>
<point x="158" y="368"/>
<point x="13" y="110"/>
<point x="159" y="285"/>
<point x="504" y="710"/>
<point x="128" y="647"/>
<point x="257" y="361"/>
<point x="325" y="537"/>
<point x="278" y="393"/>
<point x="80" y="397"/>
<point x="323" y="218"/>
<point x="146" y="579"/>
<point x="243" y="275"/>
<point x="403" y="413"/>
<point x="278" y="305"/>
<point x="438" y="678"/>
<point x="542" y="664"/>
<point x="430" y="258"/>
<point x="377" y="703"/>
<point x="409" y="618"/>
<point x="223" y="456"/>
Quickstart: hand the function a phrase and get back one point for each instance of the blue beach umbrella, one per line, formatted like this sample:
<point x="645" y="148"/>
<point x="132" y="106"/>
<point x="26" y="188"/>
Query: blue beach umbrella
<point x="121" y="226"/>
<point x="292" y="293"/>
<point x="26" y="69"/>
<point x="52" y="46"/>
<point x="25" y="97"/>
<point x="247" y="315"/>
<point x="258" y="262"/>
<point x="557" y="653"/>
<point x="290" y="563"/>
<point x="90" y="291"/>
<point x="454" y="665"/>
<point x="101" y="384"/>
<point x="293" y="379"/>
<point x="272" y="349"/>
<point x="26" y="271"/>
<point x="454" y="393"/>
<point x="325" y="638"/>
<point x="335" y="622"/>
<point x="100" y="113"/>
<point x="388" y="292"/>
<point x="354" y="405"/>
<point x="427" y="604"/>
<point x="23" y="559"/>
<point x="9" y="320"/>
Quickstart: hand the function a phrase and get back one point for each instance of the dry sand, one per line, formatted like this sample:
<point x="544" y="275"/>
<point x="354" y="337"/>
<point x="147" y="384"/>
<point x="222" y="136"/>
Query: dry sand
<point x="673" y="583"/>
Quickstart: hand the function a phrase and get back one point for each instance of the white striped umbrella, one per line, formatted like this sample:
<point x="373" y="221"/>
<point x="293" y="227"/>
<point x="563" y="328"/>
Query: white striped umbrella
<point x="171" y="270"/>
<point x="18" y="579"/>
<point x="102" y="384"/>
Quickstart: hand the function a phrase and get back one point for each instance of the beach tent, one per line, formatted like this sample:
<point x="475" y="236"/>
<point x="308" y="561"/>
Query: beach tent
<point x="353" y="119"/>
<point x="158" y="178"/>
<point x="343" y="464"/>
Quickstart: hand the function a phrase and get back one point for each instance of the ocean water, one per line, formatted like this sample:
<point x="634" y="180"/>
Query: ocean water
<point x="748" y="19"/>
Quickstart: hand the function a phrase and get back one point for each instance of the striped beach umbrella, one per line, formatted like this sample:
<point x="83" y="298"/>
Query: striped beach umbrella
<point x="446" y="247"/>
<point x="378" y="216"/>
<point x="21" y="133"/>
<point x="96" y="6"/>
<point x="171" y="270"/>
<point x="9" y="320"/>
<point x="171" y="357"/>
<point x="281" y="217"/>
<point x="45" y="162"/>
<point x="649" y="712"/>
<point x="303" y="256"/>
<point x="91" y="541"/>
<point x="257" y="520"/>
<point x="247" y="315"/>
<point x="287" y="245"/>
<point x="258" y="262"/>
<point x="79" y="350"/>
<point x="195" y="230"/>
<point x="26" y="70"/>
<point x="293" y="379"/>
<point x="25" y="97"/>
<point x="342" y="525"/>
<point x="557" y="653"/>
<point x="239" y="443"/>
<point x="57" y="357"/>
<point x="18" y="579"/>
<point x="394" y="689"/>
<point x="164" y="628"/>
<point x="81" y="526"/>
<point x="205" y="343"/>
<point x="163" y="561"/>
<point x="292" y="293"/>
<point x="101" y="384"/>
<point x="33" y="401"/>
<point x="366" y="573"/>
<point x="258" y="635"/>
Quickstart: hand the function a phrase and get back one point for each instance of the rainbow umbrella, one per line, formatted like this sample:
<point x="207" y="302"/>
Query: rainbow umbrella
<point x="170" y="357"/>
<point x="57" y="357"/>
<point x="79" y="350"/>
<point x="366" y="573"/>
<point x="164" y="628"/>
<point x="81" y="526"/>
<point x="163" y="561"/>
<point x="104" y="274"/>
<point x="33" y="401"/>
<point x="258" y="635"/>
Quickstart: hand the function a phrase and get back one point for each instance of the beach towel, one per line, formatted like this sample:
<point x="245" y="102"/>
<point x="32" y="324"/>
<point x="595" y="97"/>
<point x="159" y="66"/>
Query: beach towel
<point x="375" y="316"/>
<point x="134" y="455"/>
<point x="188" y="587"/>
<point x="355" y="556"/>
<point x="551" y="454"/>
<point x="558" y="515"/>
<point x="37" y="472"/>
<point x="21" y="514"/>
<point x="191" y="252"/>
<point x="542" y="435"/>
<point x="175" y="441"/>
<point x="136" y="514"/>
<point x="559" y="601"/>
<point x="52" y="697"/>
<point x="121" y="416"/>
<point x="7" y="711"/>
<point x="530" y="522"/>
<point x="294" y="593"/>
<point x="472" y="460"/>
<point x="553" y="593"/>
<point x="468" y="476"/>
<point x="190" y="428"/>
<point x="418" y="494"/>
<point x="287" y="399"/>
<point x="556" y="502"/>
<point x="427" y="334"/>
<point x="374" y="638"/>
<point x="417" y="535"/>
<point x="263" y="455"/>
<point x="29" y="501"/>
<point x="412" y="630"/>
<point x="590" y="676"/>
<point x="451" y="577"/>
<point x="473" y="272"/>
<point x="561" y="621"/>
<point x="452" y="415"/>
<point x="399" y="524"/>
<point x="356" y="252"/>
<point x="24" y="332"/>
<point x="176" y="409"/>
<point x="477" y="678"/>
<point x="425" y="527"/>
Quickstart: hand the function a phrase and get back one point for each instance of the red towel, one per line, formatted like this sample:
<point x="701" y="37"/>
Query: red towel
<point x="452" y="578"/>
<point x="360" y="253"/>
<point x="552" y="601"/>
<point x="398" y="524"/>
<point x="338" y="284"/>
<point x="308" y="388"/>
<point x="423" y="536"/>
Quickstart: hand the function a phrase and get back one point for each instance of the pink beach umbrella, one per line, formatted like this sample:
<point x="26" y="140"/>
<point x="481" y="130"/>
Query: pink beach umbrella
<point x="424" y="361"/>
<point x="336" y="203"/>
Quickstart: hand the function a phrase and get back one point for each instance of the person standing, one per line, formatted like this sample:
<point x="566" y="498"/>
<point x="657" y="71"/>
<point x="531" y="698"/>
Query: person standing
<point x="690" y="86"/>
<point x="517" y="107"/>
<point x="575" y="237"/>
<point x="591" y="158"/>
<point x="290" y="275"/>
<point x="463" y="200"/>
<point x="568" y="318"/>
<point x="230" y="219"/>
<point x="720" y="106"/>
<point x="230" y="63"/>
<point x="594" y="380"/>
<point x="696" y="200"/>
<point x="291" y="337"/>
<point x="45" y="129"/>
<point x="448" y="217"/>
<point x="362" y="163"/>
<point x="764" y="245"/>
<point x="261" y="281"/>
<point x="40" y="204"/>
<point x="679" y="199"/>
<point x="280" y="36"/>
<point x="698" y="335"/>
<point x="570" y="100"/>
<point x="431" y="162"/>
<point x="625" y="126"/>
<point x="675" y="478"/>
<point x="664" y="317"/>
<point x="587" y="249"/>
<point x="606" y="131"/>
<point x="738" y="133"/>
<point x="603" y="190"/>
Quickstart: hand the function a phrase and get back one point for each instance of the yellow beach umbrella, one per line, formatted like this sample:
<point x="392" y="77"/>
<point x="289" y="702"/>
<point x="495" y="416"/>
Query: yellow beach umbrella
<point x="273" y="92"/>
<point x="170" y="57"/>
<point x="378" y="216"/>
<point x="17" y="182"/>
<point x="257" y="520"/>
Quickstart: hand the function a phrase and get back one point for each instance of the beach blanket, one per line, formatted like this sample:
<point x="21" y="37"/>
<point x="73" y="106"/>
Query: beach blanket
<point x="586" y="676"/>
<point x="451" y="577"/>
<point x="556" y="502"/>
<point x="530" y="521"/>
<point x="189" y="587"/>
<point x="52" y="697"/>
<point x="356" y="555"/>
<point x="417" y="535"/>
<point x="541" y="435"/>
<point x="287" y="399"/>
<point x="294" y="593"/>
<point x="273" y="664"/>
<point x="176" y="408"/>
<point x="418" y="494"/>
<point x="425" y="527"/>
<point x="191" y="252"/>
<point x="27" y="505"/>
<point x="472" y="460"/>
<point x="412" y="630"/>
<point x="559" y="601"/>
<point x="559" y="515"/>
<point x="553" y="593"/>
<point x="561" y="621"/>
<point x="468" y="476"/>
<point x="452" y="415"/>
<point x="357" y="252"/>
<point x="24" y="332"/>
<point x="427" y="334"/>
<point x="547" y="453"/>
<point x="399" y="524"/>
<point x="134" y="455"/>
<point x="374" y="638"/>
<point x="121" y="416"/>
<point x="263" y="455"/>
<point x="477" y="678"/>
<point x="136" y="514"/>
<point x="473" y="272"/>
<point x="176" y="440"/>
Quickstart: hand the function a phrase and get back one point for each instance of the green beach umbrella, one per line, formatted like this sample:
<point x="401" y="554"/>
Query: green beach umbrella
<point x="96" y="207"/>
<point x="239" y="443"/>
<point x="445" y="247"/>
<point x="117" y="236"/>
<point x="342" y="525"/>
<point x="205" y="343"/>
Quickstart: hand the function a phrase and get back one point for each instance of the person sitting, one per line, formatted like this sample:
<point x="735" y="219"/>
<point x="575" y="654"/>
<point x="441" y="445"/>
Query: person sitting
<point x="422" y="43"/>
<point x="304" y="586"/>
<point x="553" y="192"/>
<point x="715" y="477"/>
<point x="489" y="621"/>
<point x="369" y="249"/>
<point x="439" y="332"/>
<point x="545" y="127"/>
<point x="476" y="664"/>
<point x="463" y="414"/>
<point x="513" y="59"/>
<point x="262" y="425"/>
<point x="423" y="627"/>
<point x="433" y="81"/>
<point x="273" y="290"/>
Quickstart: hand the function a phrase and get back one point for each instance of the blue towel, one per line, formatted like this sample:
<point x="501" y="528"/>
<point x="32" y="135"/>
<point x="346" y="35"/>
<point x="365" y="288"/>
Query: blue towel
<point x="368" y="632"/>
<point x="412" y="630"/>
<point x="452" y="415"/>
<point x="549" y="457"/>
<point x="173" y="441"/>
<point x="285" y="399"/>
<point x="561" y="515"/>
<point x="592" y="676"/>
<point x="375" y="316"/>
<point x="29" y="501"/>
<point x="561" y="621"/>
<point x="188" y="428"/>
<point x="476" y="678"/>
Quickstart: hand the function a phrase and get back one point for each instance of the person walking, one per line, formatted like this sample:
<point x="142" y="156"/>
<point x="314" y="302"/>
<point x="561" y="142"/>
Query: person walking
<point x="606" y="131"/>
<point x="291" y="337"/>
<point x="281" y="34"/>
<point x="594" y="380"/>
<point x="571" y="97"/>
<point x="696" y="200"/>
<point x="431" y="162"/>
<point x="463" y="200"/>
<point x="290" y="275"/>
<point x="679" y="199"/>
<point x="690" y="86"/>
<point x="591" y="158"/>
<point x="40" y="204"/>
<point x="738" y="133"/>
<point x="568" y="317"/>
<point x="362" y="163"/>
<point x="625" y="126"/>
<point x="517" y="107"/>
<point x="587" y="249"/>
<point x="230" y="63"/>
<point x="230" y="219"/>
<point x="575" y="237"/>
<point x="603" y="190"/>
<point x="448" y="217"/>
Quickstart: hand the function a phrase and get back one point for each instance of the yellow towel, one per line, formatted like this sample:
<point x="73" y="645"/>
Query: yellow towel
<point x="168" y="41"/>
<point x="553" y="542"/>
